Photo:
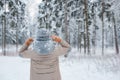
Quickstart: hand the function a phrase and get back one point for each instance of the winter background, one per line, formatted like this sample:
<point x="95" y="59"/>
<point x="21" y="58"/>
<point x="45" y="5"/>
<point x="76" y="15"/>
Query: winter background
<point x="92" y="27"/>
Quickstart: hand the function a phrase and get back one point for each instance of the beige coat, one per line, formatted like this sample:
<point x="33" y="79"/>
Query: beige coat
<point x="45" y="67"/>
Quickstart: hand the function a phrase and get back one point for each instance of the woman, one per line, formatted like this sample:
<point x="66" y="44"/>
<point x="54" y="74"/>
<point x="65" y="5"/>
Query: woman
<point x="44" y="55"/>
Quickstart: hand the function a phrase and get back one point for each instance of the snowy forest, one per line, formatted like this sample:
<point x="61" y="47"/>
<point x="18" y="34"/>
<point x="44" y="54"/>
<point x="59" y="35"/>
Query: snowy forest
<point x="88" y="25"/>
<point x="91" y="27"/>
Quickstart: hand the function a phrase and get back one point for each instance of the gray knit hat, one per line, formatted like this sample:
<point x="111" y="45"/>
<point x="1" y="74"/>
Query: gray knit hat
<point x="43" y="35"/>
<point x="43" y="43"/>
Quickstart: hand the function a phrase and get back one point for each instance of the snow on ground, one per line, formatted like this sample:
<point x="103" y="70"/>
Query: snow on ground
<point x="14" y="68"/>
<point x="72" y="68"/>
<point x="91" y="68"/>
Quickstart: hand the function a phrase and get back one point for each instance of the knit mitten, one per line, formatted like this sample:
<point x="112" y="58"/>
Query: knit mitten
<point x="29" y="41"/>
<point x="56" y="38"/>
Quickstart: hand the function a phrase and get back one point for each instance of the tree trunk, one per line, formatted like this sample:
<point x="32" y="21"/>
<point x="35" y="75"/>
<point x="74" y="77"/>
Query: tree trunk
<point x="112" y="37"/>
<point x="66" y="25"/>
<point x="102" y="27"/>
<point x="78" y="43"/>
<point x="17" y="15"/>
<point x="17" y="34"/>
<point x="4" y="36"/>
<point x="87" y="26"/>
<point x="84" y="38"/>
<point x="79" y="36"/>
<point x="115" y="34"/>
<point x="94" y="31"/>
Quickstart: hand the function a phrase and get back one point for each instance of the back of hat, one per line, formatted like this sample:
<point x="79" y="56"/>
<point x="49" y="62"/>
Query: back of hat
<point x="43" y="35"/>
<point x="43" y="43"/>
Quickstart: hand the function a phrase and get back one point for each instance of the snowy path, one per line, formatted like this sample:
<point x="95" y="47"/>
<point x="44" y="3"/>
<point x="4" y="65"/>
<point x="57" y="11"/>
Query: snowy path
<point x="16" y="68"/>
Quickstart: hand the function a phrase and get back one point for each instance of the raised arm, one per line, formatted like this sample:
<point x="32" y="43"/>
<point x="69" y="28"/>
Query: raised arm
<point x="63" y="48"/>
<point x="24" y="49"/>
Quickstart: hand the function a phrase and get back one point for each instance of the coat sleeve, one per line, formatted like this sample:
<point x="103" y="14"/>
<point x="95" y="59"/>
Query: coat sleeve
<point x="25" y="52"/>
<point x="62" y="49"/>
